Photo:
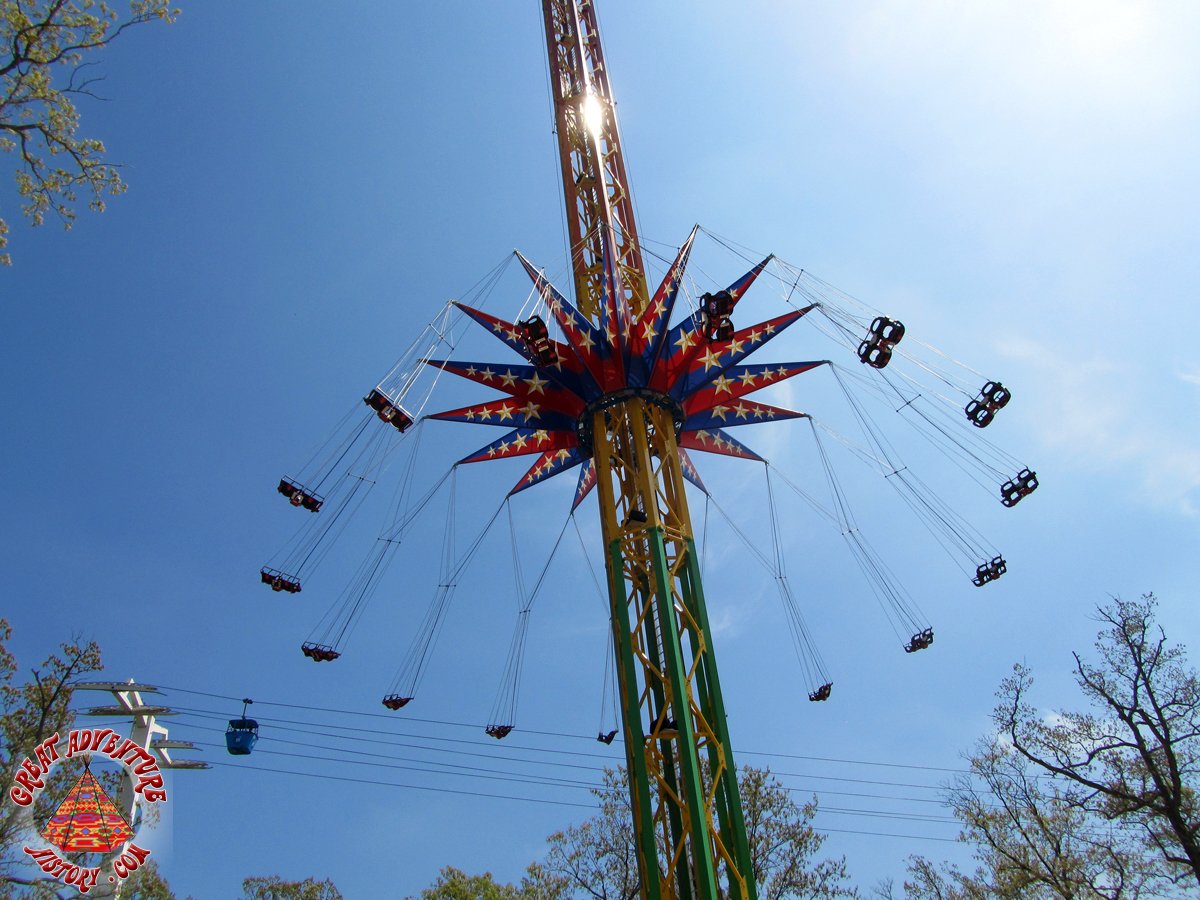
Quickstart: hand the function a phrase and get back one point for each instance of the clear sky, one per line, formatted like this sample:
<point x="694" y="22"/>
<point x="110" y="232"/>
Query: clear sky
<point x="1016" y="182"/>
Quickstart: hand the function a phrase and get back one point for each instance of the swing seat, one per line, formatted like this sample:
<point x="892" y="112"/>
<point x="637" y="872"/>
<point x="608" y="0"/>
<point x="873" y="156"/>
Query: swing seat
<point x="389" y="412"/>
<point x="395" y="701"/>
<point x="606" y="737"/>
<point x="717" y="306"/>
<point x="720" y="330"/>
<point x="499" y="732"/>
<point x="821" y="693"/>
<point x="887" y="331"/>
<point x="874" y="354"/>
<point x="319" y="652"/>
<point x="920" y="641"/>
<point x="537" y="341"/>
<point x="279" y="581"/>
<point x="298" y="495"/>
<point x="996" y="394"/>
<point x="980" y="413"/>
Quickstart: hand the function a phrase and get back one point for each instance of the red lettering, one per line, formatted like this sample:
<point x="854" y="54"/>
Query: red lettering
<point x="20" y="795"/>
<point x="138" y="853"/>
<point x="111" y="744"/>
<point x="23" y="778"/>
<point x="47" y="752"/>
<point x="78" y="742"/>
<point x="152" y="796"/>
<point x="153" y="781"/>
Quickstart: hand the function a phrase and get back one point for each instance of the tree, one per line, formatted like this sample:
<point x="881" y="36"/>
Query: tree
<point x="38" y="119"/>
<point x="1033" y="841"/>
<point x="147" y="883"/>
<point x="1099" y="803"/>
<point x="454" y="884"/>
<point x="599" y="858"/>
<point x="29" y="713"/>
<point x="272" y="887"/>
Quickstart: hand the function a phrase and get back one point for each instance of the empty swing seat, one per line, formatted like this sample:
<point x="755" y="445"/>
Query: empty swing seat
<point x="395" y="701"/>
<point x="387" y="410"/>
<point x="279" y="581"/>
<point x="606" y="737"/>
<point x="319" y="652"/>
<point x="499" y="732"/>
<point x="821" y="693"/>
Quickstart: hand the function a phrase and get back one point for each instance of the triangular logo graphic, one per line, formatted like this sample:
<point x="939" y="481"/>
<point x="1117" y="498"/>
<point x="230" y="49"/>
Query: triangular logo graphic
<point x="87" y="821"/>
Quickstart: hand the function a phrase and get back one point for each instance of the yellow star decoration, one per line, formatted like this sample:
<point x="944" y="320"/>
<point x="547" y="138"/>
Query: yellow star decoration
<point x="488" y="373"/>
<point x="568" y="322"/>
<point x="747" y="379"/>
<point x="472" y="371"/>
<point x="754" y="336"/>
<point x="531" y="410"/>
<point x="502" y="448"/>
<point x="720" y="442"/>
<point x="541" y="436"/>
<point x="470" y="414"/>
<point x="536" y="384"/>
<point x="742" y="410"/>
<point x="649" y="332"/>
<point x="585" y="341"/>
<point x="722" y="385"/>
<point x="491" y="451"/>
<point x="497" y="327"/>
<point x="703" y="436"/>
<point x="720" y="412"/>
<point x="710" y="360"/>
<point x="782" y="372"/>
<point x="519" y="442"/>
<point x="504" y="412"/>
<point x="508" y="378"/>
<point x="685" y="340"/>
<point x="768" y="328"/>
<point x="735" y="346"/>
<point x="484" y="413"/>
<point x="563" y="454"/>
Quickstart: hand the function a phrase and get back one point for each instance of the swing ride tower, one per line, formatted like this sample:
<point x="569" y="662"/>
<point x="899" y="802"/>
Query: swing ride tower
<point x="625" y="394"/>
<point x="687" y="817"/>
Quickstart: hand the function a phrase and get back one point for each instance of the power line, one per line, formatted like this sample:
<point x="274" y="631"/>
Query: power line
<point x="741" y="752"/>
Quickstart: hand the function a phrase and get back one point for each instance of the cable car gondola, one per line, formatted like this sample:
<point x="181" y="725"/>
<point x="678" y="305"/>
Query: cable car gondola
<point x="242" y="734"/>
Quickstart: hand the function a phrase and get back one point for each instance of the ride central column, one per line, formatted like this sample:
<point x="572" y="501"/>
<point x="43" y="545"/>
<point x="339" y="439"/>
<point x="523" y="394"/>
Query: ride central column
<point x="687" y="814"/>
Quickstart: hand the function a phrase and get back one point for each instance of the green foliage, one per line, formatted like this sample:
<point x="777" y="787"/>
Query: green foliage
<point x="272" y="887"/>
<point x="31" y="711"/>
<point x="147" y="883"/>
<point x="38" y="119"/>
<point x="598" y="858"/>
<point x="454" y="884"/>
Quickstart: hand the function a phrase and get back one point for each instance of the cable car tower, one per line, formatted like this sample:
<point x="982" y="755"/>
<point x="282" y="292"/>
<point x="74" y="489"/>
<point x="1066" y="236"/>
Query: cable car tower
<point x="670" y="693"/>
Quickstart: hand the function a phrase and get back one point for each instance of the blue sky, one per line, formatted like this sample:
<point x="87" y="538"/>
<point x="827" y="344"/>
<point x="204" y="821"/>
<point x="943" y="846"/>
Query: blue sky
<point x="308" y="187"/>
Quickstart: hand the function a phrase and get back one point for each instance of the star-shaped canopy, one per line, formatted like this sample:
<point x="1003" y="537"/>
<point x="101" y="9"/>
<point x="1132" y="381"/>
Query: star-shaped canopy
<point x="705" y="377"/>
